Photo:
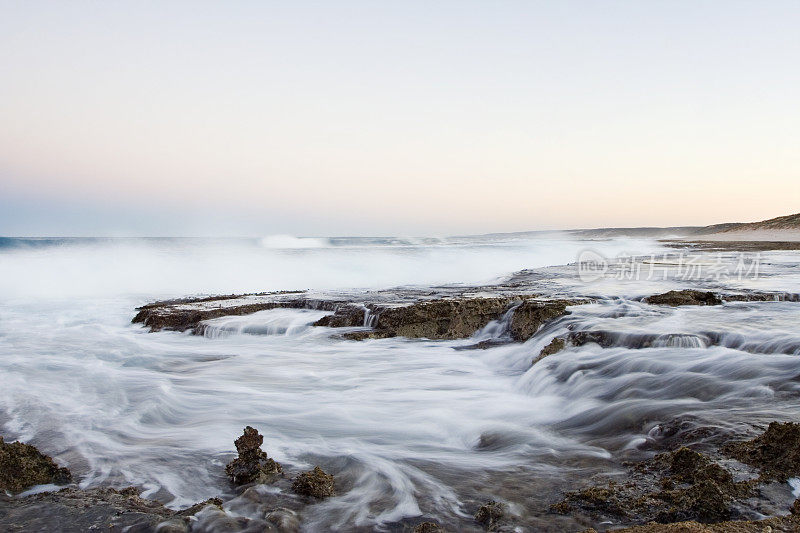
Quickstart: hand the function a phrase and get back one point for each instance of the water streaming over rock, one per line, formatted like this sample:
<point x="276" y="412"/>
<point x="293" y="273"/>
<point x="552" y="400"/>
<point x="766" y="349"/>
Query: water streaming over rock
<point x="409" y="427"/>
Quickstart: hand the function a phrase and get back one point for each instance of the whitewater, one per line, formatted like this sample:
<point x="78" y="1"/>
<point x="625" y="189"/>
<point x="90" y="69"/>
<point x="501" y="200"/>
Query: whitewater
<point x="411" y="427"/>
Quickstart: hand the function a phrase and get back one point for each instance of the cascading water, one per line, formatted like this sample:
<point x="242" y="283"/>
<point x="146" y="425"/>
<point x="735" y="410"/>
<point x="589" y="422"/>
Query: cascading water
<point x="270" y="322"/>
<point x="410" y="427"/>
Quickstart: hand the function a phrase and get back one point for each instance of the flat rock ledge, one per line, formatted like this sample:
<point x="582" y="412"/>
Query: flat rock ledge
<point x="449" y="317"/>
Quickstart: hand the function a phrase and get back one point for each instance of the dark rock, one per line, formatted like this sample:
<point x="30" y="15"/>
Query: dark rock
<point x="670" y="487"/>
<point x="252" y="465"/>
<point x="776" y="452"/>
<point x="428" y="527"/>
<point x="532" y="314"/>
<point x="23" y="466"/>
<point x="579" y="338"/>
<point x="440" y="319"/>
<point x="777" y="524"/>
<point x="314" y="483"/>
<point x="196" y="508"/>
<point x="684" y="297"/>
<point x="74" y="510"/>
<point x="704" y="501"/>
<point x="685" y="462"/>
<point x="555" y="346"/>
<point x="344" y="316"/>
<point x="491" y="514"/>
<point x="285" y="520"/>
<point x="795" y="509"/>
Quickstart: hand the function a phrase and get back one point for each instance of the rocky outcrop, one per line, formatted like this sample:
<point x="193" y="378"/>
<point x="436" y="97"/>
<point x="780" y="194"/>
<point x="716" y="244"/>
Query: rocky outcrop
<point x="776" y="452"/>
<point x="555" y="346"/>
<point x="187" y="314"/>
<point x="23" y="466"/>
<point x="694" y="297"/>
<point x="672" y="487"/>
<point x="408" y="313"/>
<point x="683" y="490"/>
<point x="461" y="318"/>
<point x="252" y="465"/>
<point x="491" y="515"/>
<point x="684" y="297"/>
<point x="440" y="319"/>
<point x="778" y="524"/>
<point x="428" y="527"/>
<point x="531" y="314"/>
<point x="315" y="483"/>
<point x="103" y="509"/>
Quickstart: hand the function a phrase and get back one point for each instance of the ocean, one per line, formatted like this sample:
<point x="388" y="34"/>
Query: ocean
<point x="411" y="427"/>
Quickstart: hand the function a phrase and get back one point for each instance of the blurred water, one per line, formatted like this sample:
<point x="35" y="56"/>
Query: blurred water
<point x="407" y="426"/>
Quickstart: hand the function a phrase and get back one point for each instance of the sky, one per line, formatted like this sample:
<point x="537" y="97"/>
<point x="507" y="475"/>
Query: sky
<point x="395" y="118"/>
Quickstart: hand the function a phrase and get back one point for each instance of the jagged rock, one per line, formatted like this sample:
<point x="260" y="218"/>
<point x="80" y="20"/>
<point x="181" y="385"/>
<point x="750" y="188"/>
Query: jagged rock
<point x="684" y="297"/>
<point x="253" y="465"/>
<point x="440" y="319"/>
<point x="795" y="509"/>
<point x="314" y="483"/>
<point x="491" y="514"/>
<point x="670" y="487"/>
<point x="779" y="524"/>
<point x="23" y="466"/>
<point x="532" y="314"/>
<point x="344" y="316"/>
<point x="704" y="501"/>
<point x="196" y="508"/>
<point x="579" y="338"/>
<point x="428" y="527"/>
<point x="555" y="346"/>
<point x="776" y="452"/>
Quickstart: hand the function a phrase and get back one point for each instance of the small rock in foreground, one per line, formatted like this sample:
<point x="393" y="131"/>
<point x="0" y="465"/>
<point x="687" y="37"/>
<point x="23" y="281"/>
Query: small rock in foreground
<point x="314" y="483"/>
<point x="22" y="466"/>
<point x="490" y="514"/>
<point x="252" y="465"/>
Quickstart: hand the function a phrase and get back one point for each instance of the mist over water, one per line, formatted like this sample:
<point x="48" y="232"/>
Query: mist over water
<point x="409" y="427"/>
<point x="179" y="267"/>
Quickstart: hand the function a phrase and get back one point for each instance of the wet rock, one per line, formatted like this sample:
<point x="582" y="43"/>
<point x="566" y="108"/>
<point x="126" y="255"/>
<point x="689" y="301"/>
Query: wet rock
<point x="684" y="297"/>
<point x="786" y="524"/>
<point x="189" y="314"/>
<point x="74" y="510"/>
<point x="685" y="464"/>
<point x="428" y="527"/>
<point x="532" y="314"/>
<point x="344" y="316"/>
<point x="491" y="514"/>
<point x="555" y="346"/>
<point x="314" y="483"/>
<point x="252" y="465"/>
<point x="173" y="525"/>
<point x="776" y="452"/>
<point x="670" y="487"/>
<point x="704" y="501"/>
<point x="795" y="508"/>
<point x="579" y="338"/>
<point x="595" y="500"/>
<point x="23" y="466"/>
<point x="440" y="319"/>
<point x="196" y="508"/>
<point x="284" y="520"/>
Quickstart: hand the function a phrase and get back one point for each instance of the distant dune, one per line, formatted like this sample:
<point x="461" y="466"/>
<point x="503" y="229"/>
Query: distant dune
<point x="786" y="228"/>
<point x="782" y="229"/>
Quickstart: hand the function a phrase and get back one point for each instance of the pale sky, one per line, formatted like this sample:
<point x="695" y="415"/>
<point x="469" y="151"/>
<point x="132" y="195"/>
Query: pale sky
<point x="404" y="118"/>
